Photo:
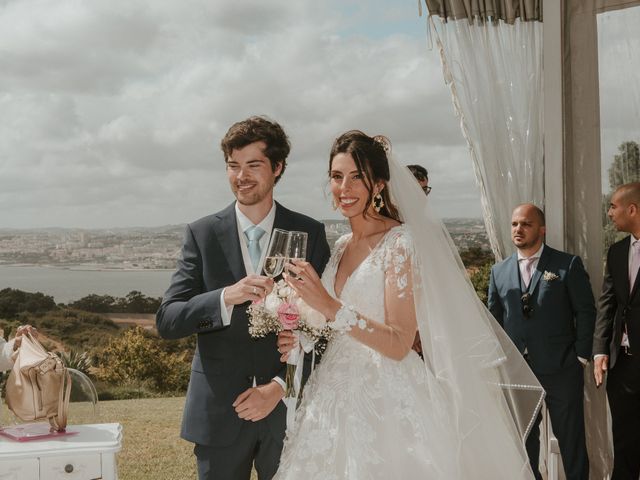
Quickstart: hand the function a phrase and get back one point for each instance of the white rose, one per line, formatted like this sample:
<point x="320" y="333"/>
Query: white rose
<point x="312" y="318"/>
<point x="272" y="302"/>
<point x="284" y="291"/>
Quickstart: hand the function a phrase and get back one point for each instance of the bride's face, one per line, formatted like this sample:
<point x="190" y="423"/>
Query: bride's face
<point x="350" y="193"/>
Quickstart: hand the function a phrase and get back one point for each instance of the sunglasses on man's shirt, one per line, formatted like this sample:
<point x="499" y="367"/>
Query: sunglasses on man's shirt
<point x="527" y="308"/>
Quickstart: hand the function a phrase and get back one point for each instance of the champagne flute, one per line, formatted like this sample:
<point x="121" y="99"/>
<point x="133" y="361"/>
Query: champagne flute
<point x="276" y="253"/>
<point x="297" y="246"/>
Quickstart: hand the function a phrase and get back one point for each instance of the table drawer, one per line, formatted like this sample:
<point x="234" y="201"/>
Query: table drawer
<point x="71" y="467"/>
<point x="26" y="469"/>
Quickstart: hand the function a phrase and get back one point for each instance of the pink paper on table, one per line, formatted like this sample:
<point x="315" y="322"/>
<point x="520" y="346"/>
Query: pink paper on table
<point x="32" y="431"/>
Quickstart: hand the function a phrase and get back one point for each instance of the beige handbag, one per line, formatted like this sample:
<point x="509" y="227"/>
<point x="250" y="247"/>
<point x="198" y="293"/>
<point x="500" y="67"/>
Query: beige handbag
<point x="39" y="385"/>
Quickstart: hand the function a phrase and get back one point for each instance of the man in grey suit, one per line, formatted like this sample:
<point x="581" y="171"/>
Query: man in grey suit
<point x="616" y="343"/>
<point x="233" y="411"/>
<point x="543" y="299"/>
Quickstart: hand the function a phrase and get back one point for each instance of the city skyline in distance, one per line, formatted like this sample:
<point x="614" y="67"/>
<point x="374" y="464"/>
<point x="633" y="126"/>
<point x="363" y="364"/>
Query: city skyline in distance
<point x="151" y="247"/>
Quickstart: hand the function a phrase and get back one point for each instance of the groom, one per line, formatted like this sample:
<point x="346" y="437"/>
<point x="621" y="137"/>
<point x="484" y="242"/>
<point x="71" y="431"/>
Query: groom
<point x="233" y="411"/>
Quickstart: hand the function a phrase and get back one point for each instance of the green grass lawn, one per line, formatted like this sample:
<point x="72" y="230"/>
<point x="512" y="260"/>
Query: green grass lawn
<point x="152" y="448"/>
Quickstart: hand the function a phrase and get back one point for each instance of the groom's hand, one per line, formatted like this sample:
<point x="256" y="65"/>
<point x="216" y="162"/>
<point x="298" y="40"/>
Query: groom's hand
<point x="258" y="402"/>
<point x="600" y="365"/>
<point x="251" y="288"/>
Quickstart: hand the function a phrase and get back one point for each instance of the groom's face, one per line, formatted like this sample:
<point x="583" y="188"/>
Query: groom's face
<point x="250" y="174"/>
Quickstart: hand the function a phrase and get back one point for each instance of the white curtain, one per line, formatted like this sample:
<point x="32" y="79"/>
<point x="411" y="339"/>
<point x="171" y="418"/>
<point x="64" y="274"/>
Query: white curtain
<point x="494" y="71"/>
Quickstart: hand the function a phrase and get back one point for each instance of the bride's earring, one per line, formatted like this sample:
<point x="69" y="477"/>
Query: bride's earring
<point x="377" y="202"/>
<point x="333" y="204"/>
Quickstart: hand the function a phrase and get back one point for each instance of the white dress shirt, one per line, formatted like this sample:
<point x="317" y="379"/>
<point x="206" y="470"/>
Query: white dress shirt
<point x="243" y="224"/>
<point x="534" y="262"/>
<point x="632" y="240"/>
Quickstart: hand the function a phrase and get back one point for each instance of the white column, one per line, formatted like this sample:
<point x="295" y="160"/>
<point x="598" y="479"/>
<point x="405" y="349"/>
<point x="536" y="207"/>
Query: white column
<point x="554" y="190"/>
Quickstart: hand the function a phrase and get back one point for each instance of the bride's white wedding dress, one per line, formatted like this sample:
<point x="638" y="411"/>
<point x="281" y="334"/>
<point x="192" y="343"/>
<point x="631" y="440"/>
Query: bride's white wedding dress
<point x="363" y="414"/>
<point x="462" y="414"/>
<point x="366" y="416"/>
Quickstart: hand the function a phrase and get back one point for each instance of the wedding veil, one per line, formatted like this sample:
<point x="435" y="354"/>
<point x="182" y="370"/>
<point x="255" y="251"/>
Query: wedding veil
<point x="482" y="383"/>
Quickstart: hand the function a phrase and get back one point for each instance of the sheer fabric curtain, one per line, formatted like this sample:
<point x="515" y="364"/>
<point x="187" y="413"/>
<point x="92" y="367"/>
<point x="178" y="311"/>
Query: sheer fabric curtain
<point x="494" y="71"/>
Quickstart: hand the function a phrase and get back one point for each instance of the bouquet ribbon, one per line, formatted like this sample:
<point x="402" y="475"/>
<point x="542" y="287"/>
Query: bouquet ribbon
<point x="296" y="360"/>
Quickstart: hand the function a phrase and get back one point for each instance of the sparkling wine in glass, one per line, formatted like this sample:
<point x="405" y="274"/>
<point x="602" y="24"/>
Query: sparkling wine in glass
<point x="277" y="253"/>
<point x="297" y="246"/>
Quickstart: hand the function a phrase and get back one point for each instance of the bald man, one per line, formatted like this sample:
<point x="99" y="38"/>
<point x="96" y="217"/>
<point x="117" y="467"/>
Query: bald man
<point x="543" y="299"/>
<point x="616" y="344"/>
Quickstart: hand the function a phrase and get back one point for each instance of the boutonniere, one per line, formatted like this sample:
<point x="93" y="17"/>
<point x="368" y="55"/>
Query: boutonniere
<point x="549" y="276"/>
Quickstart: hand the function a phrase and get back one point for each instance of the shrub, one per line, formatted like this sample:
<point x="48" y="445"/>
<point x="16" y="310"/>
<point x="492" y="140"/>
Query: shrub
<point x="480" y="280"/>
<point x="76" y="359"/>
<point x="74" y="328"/>
<point x="136" y="358"/>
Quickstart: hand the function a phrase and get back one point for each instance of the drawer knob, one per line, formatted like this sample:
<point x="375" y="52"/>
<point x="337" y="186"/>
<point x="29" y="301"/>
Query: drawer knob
<point x="68" y="468"/>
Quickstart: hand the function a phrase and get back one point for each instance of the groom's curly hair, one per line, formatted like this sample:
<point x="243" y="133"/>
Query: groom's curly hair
<point x="370" y="156"/>
<point x="259" y="129"/>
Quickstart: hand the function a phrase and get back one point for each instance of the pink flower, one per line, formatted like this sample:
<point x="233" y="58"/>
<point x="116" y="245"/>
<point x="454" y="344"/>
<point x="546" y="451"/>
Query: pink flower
<point x="288" y="315"/>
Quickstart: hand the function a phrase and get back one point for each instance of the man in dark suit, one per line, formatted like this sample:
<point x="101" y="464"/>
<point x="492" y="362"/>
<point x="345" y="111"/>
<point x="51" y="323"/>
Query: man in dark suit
<point x="616" y="343"/>
<point x="542" y="298"/>
<point x="233" y="411"/>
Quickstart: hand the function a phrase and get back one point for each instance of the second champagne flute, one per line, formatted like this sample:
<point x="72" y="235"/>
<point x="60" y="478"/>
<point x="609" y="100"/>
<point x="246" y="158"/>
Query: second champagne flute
<point x="297" y="246"/>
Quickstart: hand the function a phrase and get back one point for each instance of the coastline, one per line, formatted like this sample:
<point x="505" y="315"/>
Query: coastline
<point x="68" y="283"/>
<point x="87" y="267"/>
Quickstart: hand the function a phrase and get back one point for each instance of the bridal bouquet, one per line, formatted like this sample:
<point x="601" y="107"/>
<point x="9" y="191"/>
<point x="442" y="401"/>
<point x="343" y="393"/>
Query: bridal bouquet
<point x="281" y="310"/>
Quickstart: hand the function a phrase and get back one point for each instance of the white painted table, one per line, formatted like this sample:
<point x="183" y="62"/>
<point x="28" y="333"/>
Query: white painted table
<point x="88" y="455"/>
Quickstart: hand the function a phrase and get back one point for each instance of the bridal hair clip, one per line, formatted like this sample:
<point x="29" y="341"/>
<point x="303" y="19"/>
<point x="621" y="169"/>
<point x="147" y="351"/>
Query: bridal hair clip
<point x="383" y="142"/>
<point x="549" y="276"/>
<point x="346" y="317"/>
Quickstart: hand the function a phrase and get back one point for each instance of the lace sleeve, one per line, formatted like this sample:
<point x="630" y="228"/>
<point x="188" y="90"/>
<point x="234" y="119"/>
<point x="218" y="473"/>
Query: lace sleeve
<point x="395" y="336"/>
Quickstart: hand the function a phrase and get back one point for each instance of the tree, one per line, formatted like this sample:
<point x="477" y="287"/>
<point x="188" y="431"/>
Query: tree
<point x="134" y="302"/>
<point x="625" y="168"/>
<point x="95" y="303"/>
<point x="13" y="302"/>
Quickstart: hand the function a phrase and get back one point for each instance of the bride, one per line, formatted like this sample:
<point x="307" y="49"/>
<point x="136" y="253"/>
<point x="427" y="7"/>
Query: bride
<point x="373" y="409"/>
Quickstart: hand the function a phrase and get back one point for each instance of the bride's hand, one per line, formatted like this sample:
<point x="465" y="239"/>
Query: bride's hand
<point x="304" y="280"/>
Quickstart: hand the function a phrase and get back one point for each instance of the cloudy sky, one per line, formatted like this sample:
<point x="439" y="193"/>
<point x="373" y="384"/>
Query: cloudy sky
<point x="111" y="112"/>
<point x="619" y="76"/>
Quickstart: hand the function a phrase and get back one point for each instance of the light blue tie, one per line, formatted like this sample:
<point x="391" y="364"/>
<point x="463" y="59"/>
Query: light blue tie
<point x="254" y="234"/>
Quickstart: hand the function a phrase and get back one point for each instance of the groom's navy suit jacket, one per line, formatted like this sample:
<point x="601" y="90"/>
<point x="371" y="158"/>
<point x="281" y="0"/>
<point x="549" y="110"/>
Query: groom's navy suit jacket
<point x="226" y="359"/>
<point x="560" y="328"/>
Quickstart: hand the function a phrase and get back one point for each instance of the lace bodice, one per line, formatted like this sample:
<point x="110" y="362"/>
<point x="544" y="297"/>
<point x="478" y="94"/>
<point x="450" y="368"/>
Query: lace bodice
<point x="380" y="290"/>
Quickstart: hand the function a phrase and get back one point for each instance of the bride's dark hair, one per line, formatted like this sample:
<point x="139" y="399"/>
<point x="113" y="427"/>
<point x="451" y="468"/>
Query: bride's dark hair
<point x="370" y="156"/>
